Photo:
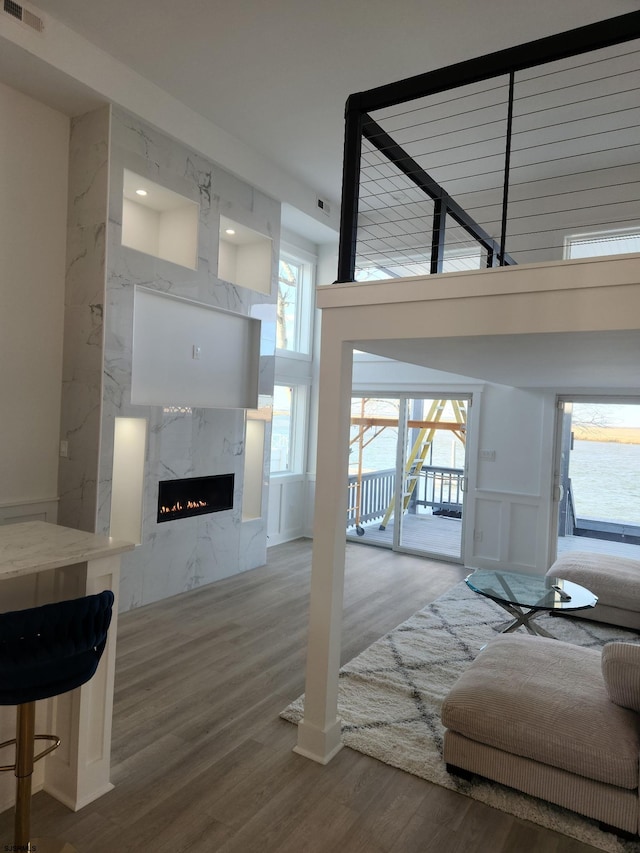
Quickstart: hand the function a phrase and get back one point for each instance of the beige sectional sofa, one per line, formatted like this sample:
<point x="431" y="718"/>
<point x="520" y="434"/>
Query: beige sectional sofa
<point x="554" y="720"/>
<point x="615" y="580"/>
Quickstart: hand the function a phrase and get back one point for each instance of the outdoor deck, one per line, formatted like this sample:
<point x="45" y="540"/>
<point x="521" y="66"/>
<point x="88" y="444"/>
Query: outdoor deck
<point x="435" y="533"/>
<point x="438" y="535"/>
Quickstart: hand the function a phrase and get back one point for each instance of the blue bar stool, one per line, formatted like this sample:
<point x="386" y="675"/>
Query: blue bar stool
<point x="45" y="651"/>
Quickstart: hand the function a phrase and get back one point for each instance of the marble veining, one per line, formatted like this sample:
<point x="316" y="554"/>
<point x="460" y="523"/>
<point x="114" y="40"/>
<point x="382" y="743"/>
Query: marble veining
<point x="84" y="322"/>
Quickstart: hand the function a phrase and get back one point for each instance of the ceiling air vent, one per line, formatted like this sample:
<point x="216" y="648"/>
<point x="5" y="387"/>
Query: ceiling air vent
<point x="24" y="15"/>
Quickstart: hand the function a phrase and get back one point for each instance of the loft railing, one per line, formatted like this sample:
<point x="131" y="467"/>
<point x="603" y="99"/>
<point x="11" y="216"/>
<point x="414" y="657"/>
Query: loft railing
<point x="495" y="160"/>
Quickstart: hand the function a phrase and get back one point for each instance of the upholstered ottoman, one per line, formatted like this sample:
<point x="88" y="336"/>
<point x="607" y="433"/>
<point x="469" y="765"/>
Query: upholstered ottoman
<point x="536" y="714"/>
<point x="615" y="580"/>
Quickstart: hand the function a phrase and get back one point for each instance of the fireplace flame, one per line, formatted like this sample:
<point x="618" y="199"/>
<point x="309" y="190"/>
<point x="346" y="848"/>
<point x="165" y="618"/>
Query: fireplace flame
<point x="180" y="507"/>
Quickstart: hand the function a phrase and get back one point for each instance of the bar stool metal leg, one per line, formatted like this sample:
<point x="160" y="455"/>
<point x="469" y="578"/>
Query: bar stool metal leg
<point x="25" y="730"/>
<point x="23" y="770"/>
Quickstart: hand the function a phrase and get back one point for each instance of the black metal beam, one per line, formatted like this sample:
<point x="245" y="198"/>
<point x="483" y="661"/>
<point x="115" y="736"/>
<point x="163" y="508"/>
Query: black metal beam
<point x="549" y="49"/>
<point x="408" y="166"/>
<point x="350" y="195"/>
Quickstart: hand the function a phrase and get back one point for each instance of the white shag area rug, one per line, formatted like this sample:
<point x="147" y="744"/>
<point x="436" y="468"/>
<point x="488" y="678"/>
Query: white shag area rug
<point x="390" y="698"/>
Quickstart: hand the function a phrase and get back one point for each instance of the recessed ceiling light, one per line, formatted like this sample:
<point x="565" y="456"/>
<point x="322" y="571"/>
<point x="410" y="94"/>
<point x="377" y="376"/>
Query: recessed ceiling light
<point x="141" y="192"/>
<point x="229" y="231"/>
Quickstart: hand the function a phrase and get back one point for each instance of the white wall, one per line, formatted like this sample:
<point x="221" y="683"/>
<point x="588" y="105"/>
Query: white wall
<point x="33" y="216"/>
<point x="375" y="373"/>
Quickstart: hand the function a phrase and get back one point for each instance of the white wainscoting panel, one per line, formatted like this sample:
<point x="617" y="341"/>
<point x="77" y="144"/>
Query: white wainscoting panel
<point x="508" y="532"/>
<point x="36" y="510"/>
<point x="287" y="514"/>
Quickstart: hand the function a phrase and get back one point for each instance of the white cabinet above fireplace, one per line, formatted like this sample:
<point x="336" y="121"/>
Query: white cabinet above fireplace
<point x="186" y="353"/>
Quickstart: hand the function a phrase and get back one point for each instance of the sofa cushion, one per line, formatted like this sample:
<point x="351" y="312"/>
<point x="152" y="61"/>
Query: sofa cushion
<point x="546" y="700"/>
<point x="621" y="673"/>
<point x="615" y="580"/>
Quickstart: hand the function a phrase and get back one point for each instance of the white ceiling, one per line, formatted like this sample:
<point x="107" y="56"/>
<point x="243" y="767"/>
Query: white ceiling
<point x="277" y="75"/>
<point x="571" y="363"/>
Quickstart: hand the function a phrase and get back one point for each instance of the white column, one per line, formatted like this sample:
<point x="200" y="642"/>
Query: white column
<point x="319" y="730"/>
<point x="79" y="771"/>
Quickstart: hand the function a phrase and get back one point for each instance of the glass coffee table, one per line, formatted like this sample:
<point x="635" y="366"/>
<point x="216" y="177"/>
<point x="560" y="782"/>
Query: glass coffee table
<point x="537" y="593"/>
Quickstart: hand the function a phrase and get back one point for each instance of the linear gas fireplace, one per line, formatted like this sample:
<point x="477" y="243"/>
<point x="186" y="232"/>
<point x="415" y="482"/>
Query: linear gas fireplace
<point x="194" y="496"/>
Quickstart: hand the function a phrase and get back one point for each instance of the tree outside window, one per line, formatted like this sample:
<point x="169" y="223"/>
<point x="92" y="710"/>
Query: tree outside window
<point x="294" y="309"/>
<point x="289" y="284"/>
<point x="294" y="321"/>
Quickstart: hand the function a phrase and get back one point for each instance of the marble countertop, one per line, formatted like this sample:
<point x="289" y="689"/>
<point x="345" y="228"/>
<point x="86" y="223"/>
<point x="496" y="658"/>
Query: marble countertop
<point x="36" y="546"/>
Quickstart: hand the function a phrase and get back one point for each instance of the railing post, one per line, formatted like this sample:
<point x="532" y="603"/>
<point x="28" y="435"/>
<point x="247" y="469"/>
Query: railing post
<point x="493" y="256"/>
<point x="507" y="166"/>
<point x="438" y="234"/>
<point x="350" y="194"/>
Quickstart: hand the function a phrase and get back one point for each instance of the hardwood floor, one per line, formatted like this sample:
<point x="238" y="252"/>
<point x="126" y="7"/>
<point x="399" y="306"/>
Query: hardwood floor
<point x="202" y="762"/>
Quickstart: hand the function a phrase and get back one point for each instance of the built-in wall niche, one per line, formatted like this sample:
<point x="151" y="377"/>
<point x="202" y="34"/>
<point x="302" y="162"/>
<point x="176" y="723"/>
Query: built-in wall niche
<point x="187" y="353"/>
<point x="244" y="256"/>
<point x="158" y="221"/>
<point x="127" y="485"/>
<point x="253" y="466"/>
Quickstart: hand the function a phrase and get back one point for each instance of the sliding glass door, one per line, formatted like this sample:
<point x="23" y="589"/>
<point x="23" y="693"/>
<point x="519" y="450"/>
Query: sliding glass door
<point x="433" y="476"/>
<point x="407" y="469"/>
<point x="373" y="452"/>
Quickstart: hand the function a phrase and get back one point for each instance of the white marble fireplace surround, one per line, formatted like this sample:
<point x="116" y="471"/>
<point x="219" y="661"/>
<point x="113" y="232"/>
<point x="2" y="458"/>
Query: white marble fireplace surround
<point x="101" y="279"/>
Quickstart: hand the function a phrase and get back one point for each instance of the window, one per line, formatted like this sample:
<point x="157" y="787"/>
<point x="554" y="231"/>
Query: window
<point x="602" y="243"/>
<point x="288" y="429"/>
<point x="293" y="368"/>
<point x="294" y="307"/>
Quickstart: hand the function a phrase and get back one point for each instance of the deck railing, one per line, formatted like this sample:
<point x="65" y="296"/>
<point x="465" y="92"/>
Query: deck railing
<point x="570" y="524"/>
<point x="437" y="487"/>
<point x="377" y="490"/>
<point x="440" y="488"/>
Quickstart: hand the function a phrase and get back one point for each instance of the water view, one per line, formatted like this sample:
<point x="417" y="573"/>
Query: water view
<point x="604" y="464"/>
<point x="605" y="474"/>
<point x="606" y="480"/>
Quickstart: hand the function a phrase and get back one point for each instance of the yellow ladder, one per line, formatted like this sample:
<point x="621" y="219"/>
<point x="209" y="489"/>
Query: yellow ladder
<point x="421" y="448"/>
